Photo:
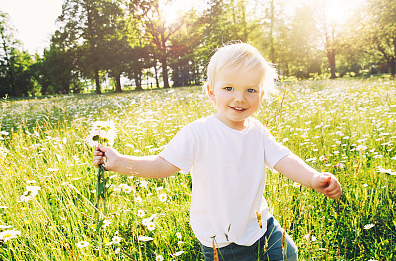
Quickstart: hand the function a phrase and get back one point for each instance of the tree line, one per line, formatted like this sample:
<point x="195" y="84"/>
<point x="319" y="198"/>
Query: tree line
<point x="133" y="39"/>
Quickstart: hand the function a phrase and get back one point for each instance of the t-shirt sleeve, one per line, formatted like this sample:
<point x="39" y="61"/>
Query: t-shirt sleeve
<point x="273" y="151"/>
<point x="180" y="151"/>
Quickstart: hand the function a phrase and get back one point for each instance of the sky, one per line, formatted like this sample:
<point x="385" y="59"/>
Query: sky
<point x="34" y="20"/>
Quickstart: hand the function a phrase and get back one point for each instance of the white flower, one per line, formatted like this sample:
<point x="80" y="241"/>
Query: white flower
<point x="9" y="234"/>
<point x="162" y="197"/>
<point x="127" y="189"/>
<point x="117" y="251"/>
<point x="82" y="244"/>
<point x="365" y="185"/>
<point x="5" y="227"/>
<point x="361" y="147"/>
<point x="30" y="193"/>
<point x="296" y="185"/>
<point x="159" y="258"/>
<point x="179" y="235"/>
<point x="102" y="131"/>
<point x="143" y="184"/>
<point x="179" y="253"/>
<point x="138" y="199"/>
<point x="151" y="226"/>
<point x="106" y="223"/>
<point x="368" y="226"/>
<point x="116" y="239"/>
<point x="145" y="239"/>
<point x="141" y="213"/>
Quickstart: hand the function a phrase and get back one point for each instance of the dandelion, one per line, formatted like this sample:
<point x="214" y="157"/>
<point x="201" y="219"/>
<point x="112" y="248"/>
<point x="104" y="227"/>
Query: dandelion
<point x="9" y="234"/>
<point x="159" y="258"/>
<point x="162" y="197"/>
<point x="368" y="226"/>
<point x="145" y="239"/>
<point x="82" y="244"/>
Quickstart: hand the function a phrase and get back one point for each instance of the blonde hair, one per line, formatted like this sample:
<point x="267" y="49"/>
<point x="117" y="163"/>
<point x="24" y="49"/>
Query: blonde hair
<point x="246" y="56"/>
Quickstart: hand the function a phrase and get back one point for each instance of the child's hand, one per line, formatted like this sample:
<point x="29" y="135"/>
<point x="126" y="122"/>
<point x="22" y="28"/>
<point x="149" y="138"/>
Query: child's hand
<point x="110" y="154"/>
<point x="327" y="184"/>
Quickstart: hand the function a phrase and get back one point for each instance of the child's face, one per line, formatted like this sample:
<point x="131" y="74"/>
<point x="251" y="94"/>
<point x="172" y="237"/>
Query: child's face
<point x="236" y="94"/>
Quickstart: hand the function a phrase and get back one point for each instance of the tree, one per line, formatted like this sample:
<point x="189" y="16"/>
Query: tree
<point x="380" y="31"/>
<point x="16" y="78"/>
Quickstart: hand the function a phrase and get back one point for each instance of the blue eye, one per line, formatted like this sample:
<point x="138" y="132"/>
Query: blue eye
<point x="228" y="88"/>
<point x="251" y="90"/>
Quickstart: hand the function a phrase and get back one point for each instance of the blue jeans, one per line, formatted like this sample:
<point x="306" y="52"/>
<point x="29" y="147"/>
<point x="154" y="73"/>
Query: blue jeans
<point x="268" y="247"/>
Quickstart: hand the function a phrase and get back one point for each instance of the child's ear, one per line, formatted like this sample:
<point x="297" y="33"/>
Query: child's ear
<point x="210" y="92"/>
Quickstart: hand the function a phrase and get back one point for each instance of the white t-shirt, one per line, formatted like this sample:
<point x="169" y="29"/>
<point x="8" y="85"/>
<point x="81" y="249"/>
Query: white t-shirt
<point x="228" y="177"/>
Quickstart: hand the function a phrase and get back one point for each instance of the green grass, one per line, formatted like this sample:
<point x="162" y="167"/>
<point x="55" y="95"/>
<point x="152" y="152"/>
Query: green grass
<point x="315" y="119"/>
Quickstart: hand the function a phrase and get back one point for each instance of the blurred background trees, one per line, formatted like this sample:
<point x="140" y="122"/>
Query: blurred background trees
<point x="135" y="44"/>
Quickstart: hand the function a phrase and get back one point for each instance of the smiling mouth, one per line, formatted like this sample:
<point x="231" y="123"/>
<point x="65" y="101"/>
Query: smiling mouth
<point x="238" y="109"/>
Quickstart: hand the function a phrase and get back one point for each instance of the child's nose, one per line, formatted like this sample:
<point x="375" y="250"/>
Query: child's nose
<point x="239" y="97"/>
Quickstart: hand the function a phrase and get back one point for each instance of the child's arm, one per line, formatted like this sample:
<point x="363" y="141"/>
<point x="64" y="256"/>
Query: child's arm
<point x="146" y="166"/>
<point x="297" y="170"/>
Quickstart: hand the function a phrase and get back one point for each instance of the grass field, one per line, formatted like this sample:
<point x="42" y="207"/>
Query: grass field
<point x="47" y="181"/>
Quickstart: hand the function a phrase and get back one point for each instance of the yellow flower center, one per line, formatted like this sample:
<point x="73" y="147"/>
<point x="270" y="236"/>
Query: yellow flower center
<point x="7" y="236"/>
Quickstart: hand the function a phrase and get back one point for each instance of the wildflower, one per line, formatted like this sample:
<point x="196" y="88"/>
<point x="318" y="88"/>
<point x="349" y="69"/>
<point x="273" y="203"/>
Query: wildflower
<point x="368" y="226"/>
<point x="117" y="251"/>
<point x="159" y="258"/>
<point x="30" y="193"/>
<point x="377" y="156"/>
<point x="296" y="185"/>
<point x="9" y="234"/>
<point x="365" y="185"/>
<point x="116" y="239"/>
<point x="106" y="223"/>
<point x="103" y="132"/>
<point x="138" y="199"/>
<point x="143" y="184"/>
<point x="151" y="226"/>
<point x="82" y="244"/>
<point x="178" y="253"/>
<point x="162" y="197"/>
<point x="339" y="166"/>
<point x="361" y="148"/>
<point x="127" y="189"/>
<point x="179" y="235"/>
<point x="5" y="227"/>
<point x="141" y="213"/>
<point x="145" y="239"/>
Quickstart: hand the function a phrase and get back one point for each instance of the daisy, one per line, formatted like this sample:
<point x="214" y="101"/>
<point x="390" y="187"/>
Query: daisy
<point x="141" y="213"/>
<point x="30" y="193"/>
<point x="138" y="199"/>
<point x="368" y="226"/>
<point x="179" y="235"/>
<point x="82" y="244"/>
<point x="116" y="239"/>
<point x="117" y="251"/>
<point x="179" y="253"/>
<point x="151" y="226"/>
<point x="162" y="197"/>
<point x="159" y="258"/>
<point x="145" y="239"/>
<point x="9" y="234"/>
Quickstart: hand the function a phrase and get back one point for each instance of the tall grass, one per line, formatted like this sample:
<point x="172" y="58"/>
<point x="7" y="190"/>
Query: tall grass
<point x="344" y="127"/>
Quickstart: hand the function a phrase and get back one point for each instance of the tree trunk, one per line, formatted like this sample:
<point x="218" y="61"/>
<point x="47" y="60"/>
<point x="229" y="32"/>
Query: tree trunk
<point x="156" y="76"/>
<point x="97" y="81"/>
<point x="138" y="80"/>
<point x="331" y="58"/>
<point x="118" y="82"/>
<point x="165" y="71"/>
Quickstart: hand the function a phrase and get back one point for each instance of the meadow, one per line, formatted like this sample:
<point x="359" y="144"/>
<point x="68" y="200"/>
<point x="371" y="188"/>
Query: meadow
<point x="47" y="180"/>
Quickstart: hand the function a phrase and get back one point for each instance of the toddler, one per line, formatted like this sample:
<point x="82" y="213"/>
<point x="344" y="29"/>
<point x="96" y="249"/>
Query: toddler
<point x="227" y="155"/>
